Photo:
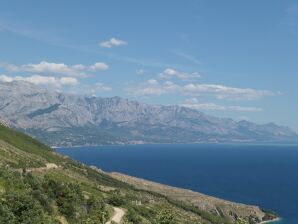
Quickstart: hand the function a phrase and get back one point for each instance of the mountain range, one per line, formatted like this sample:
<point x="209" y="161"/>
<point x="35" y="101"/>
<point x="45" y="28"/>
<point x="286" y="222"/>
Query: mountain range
<point x="62" y="119"/>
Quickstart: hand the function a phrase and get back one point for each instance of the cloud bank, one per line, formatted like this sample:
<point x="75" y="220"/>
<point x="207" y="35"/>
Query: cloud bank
<point x="42" y="80"/>
<point x="195" y="104"/>
<point x="225" y="92"/>
<point x="155" y="87"/>
<point x="44" y="67"/>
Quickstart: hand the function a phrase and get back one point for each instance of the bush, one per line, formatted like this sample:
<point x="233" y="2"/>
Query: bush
<point x="96" y="211"/>
<point x="132" y="217"/>
<point x="165" y="217"/>
<point x="116" y="200"/>
<point x="7" y="215"/>
<point x="21" y="208"/>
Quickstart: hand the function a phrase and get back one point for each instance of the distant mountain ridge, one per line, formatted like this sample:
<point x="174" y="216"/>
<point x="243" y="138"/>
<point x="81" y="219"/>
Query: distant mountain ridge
<point x="60" y="119"/>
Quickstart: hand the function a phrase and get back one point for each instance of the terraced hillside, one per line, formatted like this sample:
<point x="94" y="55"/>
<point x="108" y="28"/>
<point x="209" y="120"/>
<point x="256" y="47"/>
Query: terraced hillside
<point x="37" y="185"/>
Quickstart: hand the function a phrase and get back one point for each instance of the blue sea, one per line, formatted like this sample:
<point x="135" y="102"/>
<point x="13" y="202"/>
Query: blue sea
<point x="264" y="175"/>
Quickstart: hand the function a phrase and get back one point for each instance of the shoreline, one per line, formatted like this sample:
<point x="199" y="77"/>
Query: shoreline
<point x="187" y="143"/>
<point x="271" y="221"/>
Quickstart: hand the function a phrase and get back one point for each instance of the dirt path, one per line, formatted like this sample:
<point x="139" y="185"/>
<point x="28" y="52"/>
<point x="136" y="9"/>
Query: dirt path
<point x="118" y="215"/>
<point x="48" y="166"/>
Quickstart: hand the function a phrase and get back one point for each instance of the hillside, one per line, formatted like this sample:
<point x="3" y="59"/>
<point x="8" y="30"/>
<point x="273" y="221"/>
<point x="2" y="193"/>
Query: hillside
<point x="59" y="119"/>
<point x="37" y="185"/>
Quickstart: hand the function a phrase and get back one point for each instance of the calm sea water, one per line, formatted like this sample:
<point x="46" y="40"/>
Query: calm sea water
<point x="264" y="175"/>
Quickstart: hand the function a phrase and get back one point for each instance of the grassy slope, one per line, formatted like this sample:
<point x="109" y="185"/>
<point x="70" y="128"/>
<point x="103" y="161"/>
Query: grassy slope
<point x="74" y="192"/>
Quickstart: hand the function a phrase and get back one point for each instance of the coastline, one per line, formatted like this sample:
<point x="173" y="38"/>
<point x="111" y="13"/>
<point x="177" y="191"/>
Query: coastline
<point x="179" y="143"/>
<point x="199" y="200"/>
<point x="271" y="221"/>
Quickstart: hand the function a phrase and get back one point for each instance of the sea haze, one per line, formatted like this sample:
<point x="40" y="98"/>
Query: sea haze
<point x="264" y="175"/>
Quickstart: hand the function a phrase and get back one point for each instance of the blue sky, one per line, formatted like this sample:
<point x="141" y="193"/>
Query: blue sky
<point x="233" y="59"/>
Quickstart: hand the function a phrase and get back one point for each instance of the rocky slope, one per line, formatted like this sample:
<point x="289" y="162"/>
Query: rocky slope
<point x="65" y="119"/>
<point x="210" y="204"/>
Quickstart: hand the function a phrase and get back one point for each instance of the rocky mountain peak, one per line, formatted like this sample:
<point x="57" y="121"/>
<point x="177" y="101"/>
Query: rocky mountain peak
<point x="60" y="118"/>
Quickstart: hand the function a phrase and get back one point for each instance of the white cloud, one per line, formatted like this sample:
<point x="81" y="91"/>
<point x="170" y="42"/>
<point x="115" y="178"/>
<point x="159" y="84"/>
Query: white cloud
<point x="78" y="67"/>
<point x="169" y="86"/>
<point x="42" y="80"/>
<point x="152" y="82"/>
<point x="9" y="67"/>
<point x="44" y="67"/>
<point x="225" y="92"/>
<point x="204" y="106"/>
<point x="154" y="87"/>
<point x="98" y="66"/>
<point x="245" y="109"/>
<point x="39" y="80"/>
<point x="62" y="84"/>
<point x="195" y="104"/>
<point x="69" y="81"/>
<point x="113" y="42"/>
<point x="149" y="88"/>
<point x="170" y="73"/>
<point x="5" y="78"/>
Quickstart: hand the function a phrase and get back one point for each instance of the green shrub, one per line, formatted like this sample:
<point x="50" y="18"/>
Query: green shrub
<point x="165" y="217"/>
<point x="132" y="217"/>
<point x="24" y="209"/>
<point x="116" y="200"/>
